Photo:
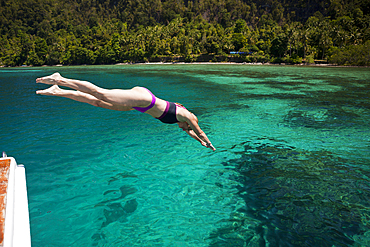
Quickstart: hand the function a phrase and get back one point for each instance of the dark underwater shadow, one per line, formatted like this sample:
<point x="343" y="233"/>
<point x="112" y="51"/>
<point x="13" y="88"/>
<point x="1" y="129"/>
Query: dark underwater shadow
<point x="296" y="198"/>
<point x="116" y="208"/>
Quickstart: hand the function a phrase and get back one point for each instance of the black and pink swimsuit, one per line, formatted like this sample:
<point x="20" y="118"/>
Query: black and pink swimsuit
<point x="169" y="114"/>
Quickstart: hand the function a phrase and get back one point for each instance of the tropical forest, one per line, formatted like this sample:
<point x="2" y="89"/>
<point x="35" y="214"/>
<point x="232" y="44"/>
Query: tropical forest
<point x="78" y="32"/>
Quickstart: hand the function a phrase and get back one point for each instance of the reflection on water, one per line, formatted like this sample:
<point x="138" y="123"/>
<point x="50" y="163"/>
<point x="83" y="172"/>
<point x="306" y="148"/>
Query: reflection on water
<point x="296" y="198"/>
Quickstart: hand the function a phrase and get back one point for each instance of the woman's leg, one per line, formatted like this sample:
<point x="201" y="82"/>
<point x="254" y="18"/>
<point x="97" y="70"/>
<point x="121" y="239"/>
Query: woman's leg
<point x="81" y="97"/>
<point x="125" y="98"/>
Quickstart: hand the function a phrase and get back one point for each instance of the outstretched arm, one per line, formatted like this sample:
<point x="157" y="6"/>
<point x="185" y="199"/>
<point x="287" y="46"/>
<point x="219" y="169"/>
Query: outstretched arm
<point x="191" y="133"/>
<point x="195" y="131"/>
<point x="199" y="135"/>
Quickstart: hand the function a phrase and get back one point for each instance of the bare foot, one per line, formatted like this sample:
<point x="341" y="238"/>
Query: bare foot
<point x="51" y="79"/>
<point x="53" y="90"/>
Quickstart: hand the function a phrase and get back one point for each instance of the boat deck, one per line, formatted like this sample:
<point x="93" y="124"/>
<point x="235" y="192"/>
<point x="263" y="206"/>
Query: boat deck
<point x="4" y="176"/>
<point x="14" y="215"/>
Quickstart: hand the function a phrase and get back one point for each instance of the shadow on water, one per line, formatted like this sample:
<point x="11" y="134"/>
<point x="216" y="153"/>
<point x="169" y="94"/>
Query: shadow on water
<point x="344" y="108"/>
<point x="348" y="107"/>
<point x="296" y="198"/>
<point x="116" y="208"/>
<point x="321" y="117"/>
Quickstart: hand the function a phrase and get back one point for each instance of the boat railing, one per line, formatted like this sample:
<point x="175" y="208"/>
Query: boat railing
<point x="14" y="220"/>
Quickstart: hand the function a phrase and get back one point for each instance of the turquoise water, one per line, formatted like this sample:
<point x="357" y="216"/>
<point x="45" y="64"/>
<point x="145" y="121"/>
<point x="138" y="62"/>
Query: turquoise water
<point x="292" y="166"/>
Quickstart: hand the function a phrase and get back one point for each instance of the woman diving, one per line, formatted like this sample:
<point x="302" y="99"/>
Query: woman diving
<point x="138" y="98"/>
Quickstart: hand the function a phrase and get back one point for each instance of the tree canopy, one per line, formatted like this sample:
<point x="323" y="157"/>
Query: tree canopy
<point x="49" y="32"/>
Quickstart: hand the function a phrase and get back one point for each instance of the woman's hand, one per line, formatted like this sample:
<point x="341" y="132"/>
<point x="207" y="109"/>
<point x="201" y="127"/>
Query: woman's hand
<point x="189" y="123"/>
<point x="209" y="145"/>
<point x="191" y="133"/>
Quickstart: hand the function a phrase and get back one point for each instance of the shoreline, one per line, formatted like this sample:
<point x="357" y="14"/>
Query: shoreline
<point x="196" y="63"/>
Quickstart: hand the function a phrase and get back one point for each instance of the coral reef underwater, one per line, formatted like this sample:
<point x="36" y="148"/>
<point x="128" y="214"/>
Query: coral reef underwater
<point x="296" y="198"/>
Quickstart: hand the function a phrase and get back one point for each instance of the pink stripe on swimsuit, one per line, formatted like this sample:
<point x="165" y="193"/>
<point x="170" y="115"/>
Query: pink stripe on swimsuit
<point x="144" y="109"/>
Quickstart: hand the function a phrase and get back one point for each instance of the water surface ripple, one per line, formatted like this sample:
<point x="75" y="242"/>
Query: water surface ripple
<point x="291" y="166"/>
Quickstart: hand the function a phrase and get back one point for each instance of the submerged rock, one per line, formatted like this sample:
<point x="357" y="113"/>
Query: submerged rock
<point x="297" y="198"/>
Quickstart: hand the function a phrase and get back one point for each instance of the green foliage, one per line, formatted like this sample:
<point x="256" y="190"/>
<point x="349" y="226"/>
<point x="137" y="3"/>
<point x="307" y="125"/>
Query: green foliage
<point x="239" y="41"/>
<point x="77" y="55"/>
<point x="38" y="32"/>
<point x="240" y="26"/>
<point x="310" y="59"/>
<point x="279" y="46"/>
<point x="295" y="59"/>
<point x="358" y="55"/>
